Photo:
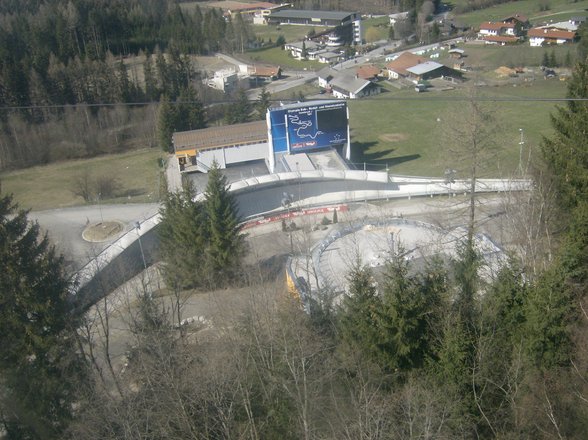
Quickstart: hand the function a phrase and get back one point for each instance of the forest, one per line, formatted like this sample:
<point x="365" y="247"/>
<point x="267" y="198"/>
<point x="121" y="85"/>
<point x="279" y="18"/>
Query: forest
<point x="66" y="91"/>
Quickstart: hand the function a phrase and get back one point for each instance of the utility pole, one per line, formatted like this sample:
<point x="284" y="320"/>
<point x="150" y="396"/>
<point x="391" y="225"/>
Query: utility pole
<point x="521" y="145"/>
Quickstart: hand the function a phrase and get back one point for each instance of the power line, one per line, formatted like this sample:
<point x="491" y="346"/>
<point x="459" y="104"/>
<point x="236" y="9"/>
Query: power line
<point x="227" y="101"/>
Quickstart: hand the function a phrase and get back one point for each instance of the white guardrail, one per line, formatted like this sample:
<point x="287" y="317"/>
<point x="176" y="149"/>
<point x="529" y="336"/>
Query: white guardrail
<point x="406" y="187"/>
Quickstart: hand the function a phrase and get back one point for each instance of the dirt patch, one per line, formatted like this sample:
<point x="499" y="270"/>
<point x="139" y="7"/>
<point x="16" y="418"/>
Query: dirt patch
<point x="393" y="137"/>
<point x="102" y="231"/>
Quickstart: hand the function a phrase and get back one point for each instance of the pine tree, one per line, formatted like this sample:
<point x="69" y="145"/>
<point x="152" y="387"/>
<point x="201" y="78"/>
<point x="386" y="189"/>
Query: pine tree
<point x="166" y="124"/>
<point x="358" y="318"/>
<point x="151" y="90"/>
<point x="183" y="240"/>
<point x="190" y="111"/>
<point x="263" y="103"/>
<point x="125" y="93"/>
<point x="39" y="365"/>
<point x="403" y="318"/>
<point x="552" y="59"/>
<point x="226" y="243"/>
<point x="545" y="60"/>
<point x="240" y="110"/>
<point x="566" y="151"/>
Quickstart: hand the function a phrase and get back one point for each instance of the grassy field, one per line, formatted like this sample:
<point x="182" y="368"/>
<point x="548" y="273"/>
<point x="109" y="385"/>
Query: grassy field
<point x="403" y="130"/>
<point x="375" y="29"/>
<point x="530" y="8"/>
<point x="279" y="57"/>
<point x="489" y="57"/>
<point x="51" y="186"/>
<point x="290" y="33"/>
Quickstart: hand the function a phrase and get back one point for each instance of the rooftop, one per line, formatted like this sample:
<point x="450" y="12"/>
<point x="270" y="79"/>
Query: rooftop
<point x="501" y="38"/>
<point x="349" y="83"/>
<point x="213" y="137"/>
<point x="425" y="67"/>
<point x="550" y="33"/>
<point x="297" y="13"/>
<point x="492" y="26"/>
<point x="405" y="61"/>
<point x="368" y="71"/>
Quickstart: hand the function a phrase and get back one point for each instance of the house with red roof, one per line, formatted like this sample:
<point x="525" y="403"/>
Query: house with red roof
<point x="369" y="72"/>
<point x="519" y="19"/>
<point x="544" y="36"/>
<point x="501" y="40"/>
<point x="511" y="26"/>
<point x="496" y="28"/>
<point x="397" y="67"/>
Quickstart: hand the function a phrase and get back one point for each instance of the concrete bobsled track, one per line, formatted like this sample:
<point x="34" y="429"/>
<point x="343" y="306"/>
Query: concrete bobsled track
<point x="264" y="195"/>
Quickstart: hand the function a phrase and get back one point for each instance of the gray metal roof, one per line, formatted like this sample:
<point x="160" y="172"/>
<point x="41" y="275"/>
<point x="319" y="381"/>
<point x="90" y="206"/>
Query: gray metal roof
<point x="305" y="104"/>
<point x="323" y="15"/>
<point x="327" y="72"/>
<point x="308" y="44"/>
<point x="426" y="67"/>
<point x="349" y="83"/>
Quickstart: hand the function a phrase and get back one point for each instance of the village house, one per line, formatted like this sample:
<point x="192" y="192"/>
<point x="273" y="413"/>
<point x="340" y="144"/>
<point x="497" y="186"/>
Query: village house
<point x="302" y="50"/>
<point x="225" y="80"/>
<point x="509" y="30"/>
<point x="368" y="72"/>
<point x="346" y="86"/>
<point x="397" y="67"/>
<point x="325" y="76"/>
<point x="501" y="40"/>
<point x="545" y="36"/>
<point x="430" y="70"/>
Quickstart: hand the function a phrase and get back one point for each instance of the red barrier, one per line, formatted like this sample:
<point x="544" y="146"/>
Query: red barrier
<point x="292" y="214"/>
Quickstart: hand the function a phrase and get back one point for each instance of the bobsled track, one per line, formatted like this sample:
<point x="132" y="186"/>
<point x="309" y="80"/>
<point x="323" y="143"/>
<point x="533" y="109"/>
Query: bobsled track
<point x="261" y="198"/>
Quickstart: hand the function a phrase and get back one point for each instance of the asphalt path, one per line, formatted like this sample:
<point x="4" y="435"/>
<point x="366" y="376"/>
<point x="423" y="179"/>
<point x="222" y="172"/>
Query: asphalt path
<point x="65" y="226"/>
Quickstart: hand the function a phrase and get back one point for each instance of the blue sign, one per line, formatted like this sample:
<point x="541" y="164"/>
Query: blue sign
<point x="317" y="126"/>
<point x="278" y="130"/>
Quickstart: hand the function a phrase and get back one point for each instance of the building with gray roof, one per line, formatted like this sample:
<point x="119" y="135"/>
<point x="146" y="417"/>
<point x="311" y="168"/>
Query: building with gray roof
<point x="346" y="24"/>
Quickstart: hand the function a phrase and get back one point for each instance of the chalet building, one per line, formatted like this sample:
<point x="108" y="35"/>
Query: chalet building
<point x="519" y="20"/>
<point x="397" y="67"/>
<point x="303" y="49"/>
<point x="501" y="40"/>
<point x="511" y="26"/>
<point x="489" y="28"/>
<point x="545" y="36"/>
<point x="368" y="72"/>
<point x="352" y="87"/>
<point x="325" y="76"/>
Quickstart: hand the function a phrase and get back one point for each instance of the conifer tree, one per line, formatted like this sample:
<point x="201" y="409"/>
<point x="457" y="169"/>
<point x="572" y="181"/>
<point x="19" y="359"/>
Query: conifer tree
<point x="183" y="240"/>
<point x="566" y="151"/>
<point x="552" y="59"/>
<point x="226" y="243"/>
<point x="166" y="124"/>
<point x="403" y="318"/>
<point x="358" y="318"/>
<point x="239" y="111"/>
<point x="151" y="90"/>
<point x="263" y="103"/>
<point x="190" y="111"/>
<point x="39" y="366"/>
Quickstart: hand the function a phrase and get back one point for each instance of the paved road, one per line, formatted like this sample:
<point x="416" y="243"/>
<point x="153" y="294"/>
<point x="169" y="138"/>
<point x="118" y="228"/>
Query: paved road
<point x="65" y="227"/>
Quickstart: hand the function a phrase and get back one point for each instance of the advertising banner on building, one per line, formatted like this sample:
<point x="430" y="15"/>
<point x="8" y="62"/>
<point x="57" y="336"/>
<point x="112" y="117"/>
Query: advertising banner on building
<point x="316" y="126"/>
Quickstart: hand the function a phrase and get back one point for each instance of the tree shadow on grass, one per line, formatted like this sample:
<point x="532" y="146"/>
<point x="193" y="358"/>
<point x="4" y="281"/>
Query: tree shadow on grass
<point x="378" y="160"/>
